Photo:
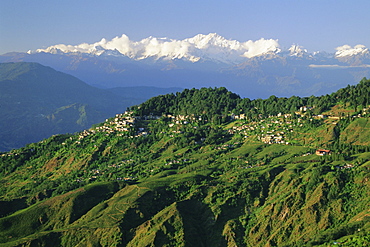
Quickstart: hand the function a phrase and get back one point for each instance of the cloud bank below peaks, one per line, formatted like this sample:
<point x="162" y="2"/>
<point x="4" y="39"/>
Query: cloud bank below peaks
<point x="210" y="46"/>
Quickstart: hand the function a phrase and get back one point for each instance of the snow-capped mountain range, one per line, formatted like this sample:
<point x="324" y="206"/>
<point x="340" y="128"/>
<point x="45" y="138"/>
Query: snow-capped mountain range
<point x="209" y="47"/>
<point x="252" y="69"/>
<point x="198" y="48"/>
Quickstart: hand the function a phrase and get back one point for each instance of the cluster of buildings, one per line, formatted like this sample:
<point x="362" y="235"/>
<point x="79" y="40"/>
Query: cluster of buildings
<point x="271" y="130"/>
<point x="322" y="152"/>
<point x="95" y="173"/>
<point x="183" y="119"/>
<point x="122" y="124"/>
<point x="273" y="139"/>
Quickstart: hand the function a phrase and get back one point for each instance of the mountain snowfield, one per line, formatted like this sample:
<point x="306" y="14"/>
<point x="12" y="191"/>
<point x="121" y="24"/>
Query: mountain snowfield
<point x="200" y="47"/>
<point x="253" y="68"/>
<point x="211" y="46"/>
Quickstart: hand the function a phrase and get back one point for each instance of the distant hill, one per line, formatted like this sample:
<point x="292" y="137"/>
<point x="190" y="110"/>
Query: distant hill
<point x="37" y="101"/>
<point x="202" y="167"/>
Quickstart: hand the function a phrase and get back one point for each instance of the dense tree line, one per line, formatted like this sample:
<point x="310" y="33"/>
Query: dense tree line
<point x="216" y="103"/>
<point x="208" y="102"/>
<point x="355" y="95"/>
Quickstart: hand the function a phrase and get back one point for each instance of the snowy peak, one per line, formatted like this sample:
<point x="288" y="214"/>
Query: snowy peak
<point x="297" y="51"/>
<point x="208" y="47"/>
<point x="201" y="47"/>
<point x="202" y="41"/>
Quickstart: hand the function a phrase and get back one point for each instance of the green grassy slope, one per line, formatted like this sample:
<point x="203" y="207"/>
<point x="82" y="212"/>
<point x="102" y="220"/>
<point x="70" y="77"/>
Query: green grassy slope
<point x="185" y="181"/>
<point x="283" y="204"/>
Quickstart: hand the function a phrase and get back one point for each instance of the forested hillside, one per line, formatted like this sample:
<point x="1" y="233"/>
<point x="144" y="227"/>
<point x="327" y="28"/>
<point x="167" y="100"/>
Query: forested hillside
<point x="203" y="167"/>
<point x="219" y="101"/>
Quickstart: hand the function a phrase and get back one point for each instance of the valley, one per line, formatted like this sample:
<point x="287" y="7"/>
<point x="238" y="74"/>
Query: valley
<point x="37" y="101"/>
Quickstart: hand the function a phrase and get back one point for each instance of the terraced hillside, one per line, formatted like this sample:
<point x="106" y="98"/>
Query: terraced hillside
<point x="199" y="168"/>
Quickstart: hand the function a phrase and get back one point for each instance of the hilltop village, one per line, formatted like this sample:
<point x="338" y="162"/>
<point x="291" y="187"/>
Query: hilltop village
<point x="280" y="129"/>
<point x="271" y="130"/>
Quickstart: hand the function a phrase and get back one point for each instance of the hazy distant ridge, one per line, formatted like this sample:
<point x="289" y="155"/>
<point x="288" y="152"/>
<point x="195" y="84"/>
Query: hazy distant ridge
<point x="253" y="69"/>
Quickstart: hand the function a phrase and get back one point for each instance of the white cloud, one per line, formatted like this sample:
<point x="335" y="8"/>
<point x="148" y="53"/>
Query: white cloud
<point x="211" y="46"/>
<point x="260" y="47"/>
<point x="121" y="44"/>
<point x="346" y="50"/>
<point x="336" y="66"/>
<point x="170" y="49"/>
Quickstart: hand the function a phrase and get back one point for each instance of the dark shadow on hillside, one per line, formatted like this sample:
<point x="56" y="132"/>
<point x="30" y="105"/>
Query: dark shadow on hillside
<point x="199" y="224"/>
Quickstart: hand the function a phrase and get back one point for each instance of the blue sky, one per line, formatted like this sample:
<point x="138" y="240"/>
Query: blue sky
<point x="314" y="24"/>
